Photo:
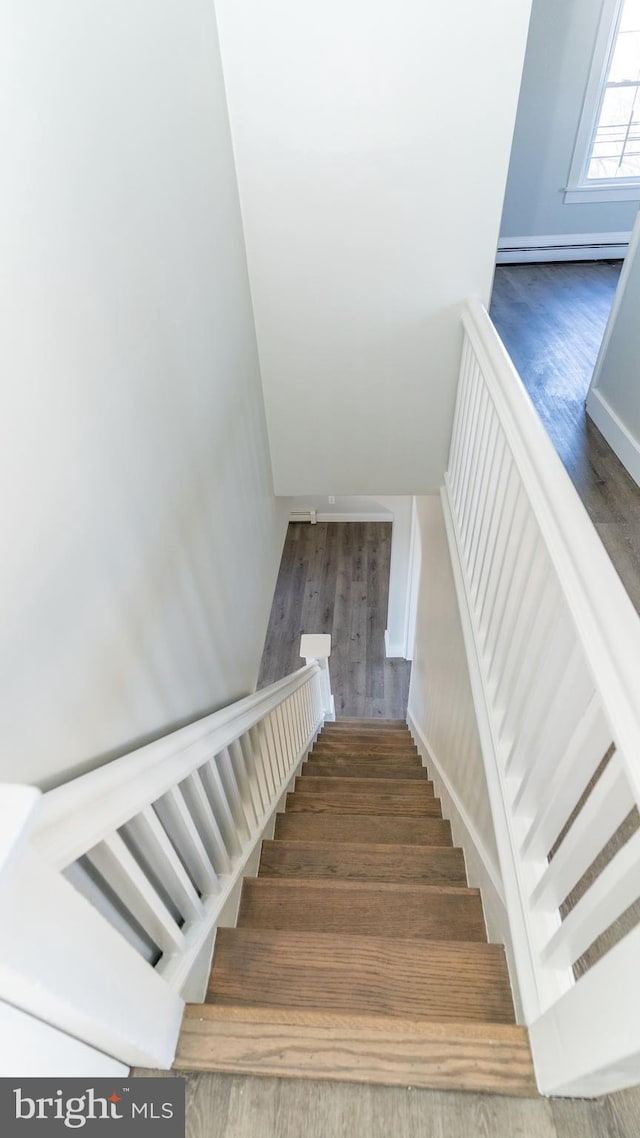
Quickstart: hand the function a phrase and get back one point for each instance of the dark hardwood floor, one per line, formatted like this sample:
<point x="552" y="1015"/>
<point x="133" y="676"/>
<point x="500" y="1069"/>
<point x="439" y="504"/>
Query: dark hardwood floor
<point x="551" y="319"/>
<point x="334" y="577"/>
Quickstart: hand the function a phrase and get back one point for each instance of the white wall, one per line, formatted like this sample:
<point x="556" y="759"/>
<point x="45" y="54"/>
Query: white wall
<point x="560" y="47"/>
<point x="140" y="535"/>
<point x="442" y="716"/>
<point x="613" y="401"/>
<point x="372" y="143"/>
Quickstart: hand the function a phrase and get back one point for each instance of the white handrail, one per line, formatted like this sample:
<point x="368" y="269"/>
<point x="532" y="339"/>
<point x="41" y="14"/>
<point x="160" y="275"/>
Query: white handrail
<point x="77" y="815"/>
<point x="553" y="644"/>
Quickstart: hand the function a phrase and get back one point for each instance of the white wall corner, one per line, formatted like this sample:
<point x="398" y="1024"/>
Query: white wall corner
<point x="392" y="648"/>
<point x="615" y="432"/>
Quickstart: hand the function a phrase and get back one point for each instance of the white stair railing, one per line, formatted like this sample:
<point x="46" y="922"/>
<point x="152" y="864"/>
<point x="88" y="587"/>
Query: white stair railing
<point x="554" y="650"/>
<point x="112" y="885"/>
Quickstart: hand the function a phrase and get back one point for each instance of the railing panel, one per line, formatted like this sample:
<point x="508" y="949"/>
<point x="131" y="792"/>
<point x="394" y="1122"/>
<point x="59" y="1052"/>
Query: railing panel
<point x="556" y="660"/>
<point x="154" y="846"/>
<point x="120" y="869"/>
<point x="604" y="810"/>
<point x="182" y="830"/>
<point x="143" y="854"/>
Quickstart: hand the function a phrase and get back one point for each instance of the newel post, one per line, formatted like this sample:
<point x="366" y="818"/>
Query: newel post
<point x="316" y="649"/>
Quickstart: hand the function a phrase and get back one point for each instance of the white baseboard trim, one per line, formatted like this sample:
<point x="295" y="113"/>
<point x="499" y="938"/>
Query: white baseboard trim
<point x="615" y="432"/>
<point x="563" y="247"/>
<point x="379" y="517"/>
<point x="393" y="649"/>
<point x="305" y="516"/>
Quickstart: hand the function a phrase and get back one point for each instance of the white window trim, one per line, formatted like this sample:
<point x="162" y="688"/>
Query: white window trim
<point x="579" y="189"/>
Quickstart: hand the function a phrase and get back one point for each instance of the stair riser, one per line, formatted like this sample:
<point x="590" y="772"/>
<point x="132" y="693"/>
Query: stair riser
<point x="366" y="746"/>
<point x="401" y="762"/>
<point x="377" y="738"/>
<point x="390" y="788"/>
<point x="335" y="770"/>
<point x="365" y="725"/>
<point x="404" y="806"/>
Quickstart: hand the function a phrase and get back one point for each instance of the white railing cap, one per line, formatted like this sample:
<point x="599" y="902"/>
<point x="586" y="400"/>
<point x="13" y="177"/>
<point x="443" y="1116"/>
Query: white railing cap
<point x="78" y="814"/>
<point x="315" y="645"/>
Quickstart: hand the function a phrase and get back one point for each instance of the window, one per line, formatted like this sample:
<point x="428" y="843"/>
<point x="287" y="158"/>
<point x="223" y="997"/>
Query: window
<point x="606" y="160"/>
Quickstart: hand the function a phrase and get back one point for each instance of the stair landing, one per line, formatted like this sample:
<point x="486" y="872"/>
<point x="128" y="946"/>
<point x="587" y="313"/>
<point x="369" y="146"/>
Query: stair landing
<point x="360" y="952"/>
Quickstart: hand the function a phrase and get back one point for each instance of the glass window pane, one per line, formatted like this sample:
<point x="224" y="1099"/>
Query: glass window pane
<point x="626" y="58"/>
<point x="630" y="19"/>
<point x="616" y="148"/>
<point x="615" y="151"/>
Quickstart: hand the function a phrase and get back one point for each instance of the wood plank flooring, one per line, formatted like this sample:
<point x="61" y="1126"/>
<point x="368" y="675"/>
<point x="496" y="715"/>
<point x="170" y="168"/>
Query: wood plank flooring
<point x="241" y="1106"/>
<point x="551" y="319"/>
<point x="334" y="577"/>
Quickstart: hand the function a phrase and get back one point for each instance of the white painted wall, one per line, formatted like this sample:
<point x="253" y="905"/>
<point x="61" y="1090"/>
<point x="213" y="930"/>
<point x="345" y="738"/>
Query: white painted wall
<point x="442" y="717"/>
<point x="372" y="142"/>
<point x="613" y="401"/>
<point x="396" y="631"/>
<point x="140" y="535"/>
<point x="560" y="47"/>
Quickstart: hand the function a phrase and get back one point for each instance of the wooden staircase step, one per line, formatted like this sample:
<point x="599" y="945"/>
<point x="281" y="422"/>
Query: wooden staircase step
<point x="366" y="725"/>
<point x="494" y="1058"/>
<point x="366" y="908"/>
<point x="393" y="739"/>
<point x="390" y="788"/>
<point x="365" y="802"/>
<point x="374" y="746"/>
<point x="333" y="769"/>
<point x="358" y="828"/>
<point x="346" y="861"/>
<point x="431" y="980"/>
<point x="354" y="758"/>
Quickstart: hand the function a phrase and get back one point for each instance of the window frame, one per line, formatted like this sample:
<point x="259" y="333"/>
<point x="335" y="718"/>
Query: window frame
<point x="579" y="188"/>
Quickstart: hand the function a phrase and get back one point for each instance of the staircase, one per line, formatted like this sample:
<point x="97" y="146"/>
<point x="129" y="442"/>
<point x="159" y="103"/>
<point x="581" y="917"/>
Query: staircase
<point x="360" y="953"/>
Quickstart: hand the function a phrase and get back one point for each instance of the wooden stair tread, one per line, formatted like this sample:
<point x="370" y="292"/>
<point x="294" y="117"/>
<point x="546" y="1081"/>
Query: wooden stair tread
<point x="393" y="741"/>
<point x="344" y="861"/>
<point x="373" y="724"/>
<point x="340" y="770"/>
<point x="434" y="980"/>
<point x="374" y="746"/>
<point x="390" y="788"/>
<point x="356" y="1048"/>
<point x="377" y="828"/>
<point x="363" y="802"/>
<point x="365" y="908"/>
<point x="401" y="762"/>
